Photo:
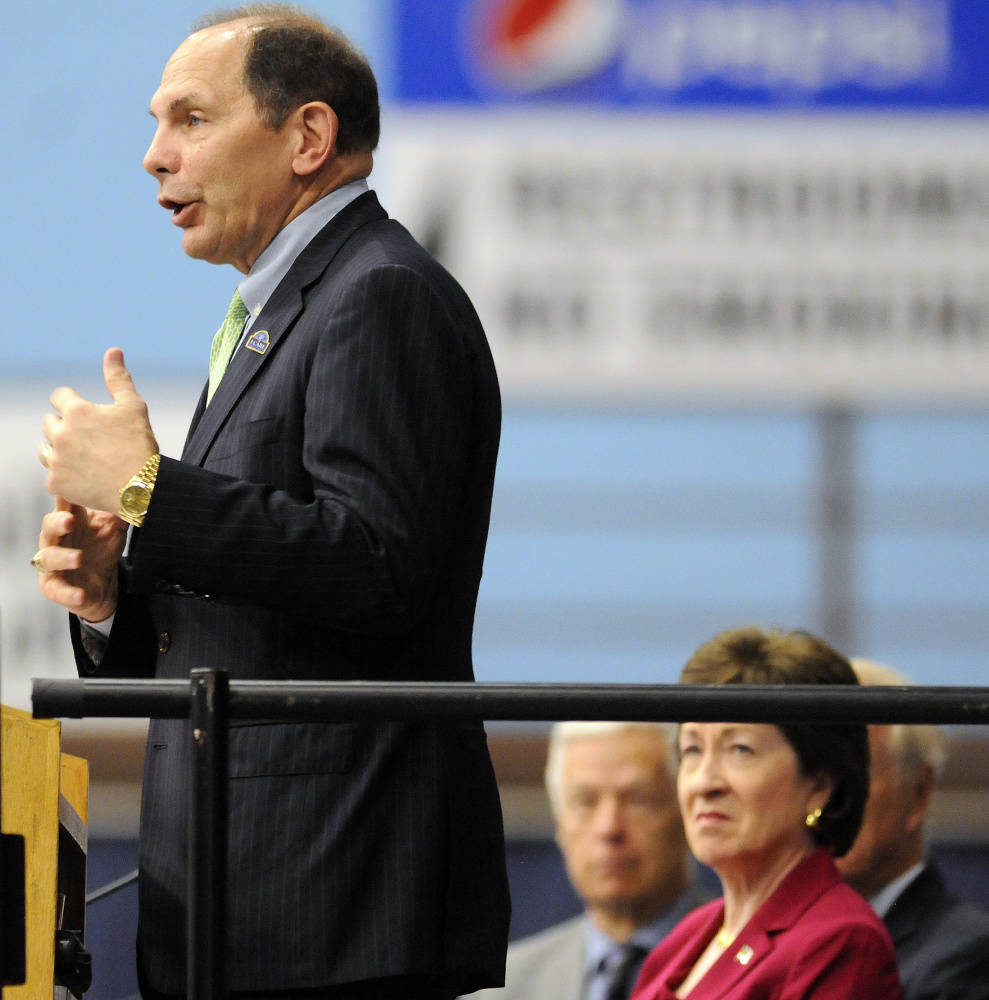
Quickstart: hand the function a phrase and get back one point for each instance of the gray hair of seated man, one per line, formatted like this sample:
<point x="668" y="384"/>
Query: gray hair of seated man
<point x="913" y="745"/>
<point x="565" y="733"/>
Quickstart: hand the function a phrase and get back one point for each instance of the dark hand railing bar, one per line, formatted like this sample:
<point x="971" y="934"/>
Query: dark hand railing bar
<point x="206" y="875"/>
<point x="209" y="701"/>
<point x="332" y="700"/>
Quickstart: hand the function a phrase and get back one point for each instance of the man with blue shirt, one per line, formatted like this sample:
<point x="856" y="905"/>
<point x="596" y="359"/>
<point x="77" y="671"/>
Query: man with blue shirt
<point x="327" y="520"/>
<point x="612" y="787"/>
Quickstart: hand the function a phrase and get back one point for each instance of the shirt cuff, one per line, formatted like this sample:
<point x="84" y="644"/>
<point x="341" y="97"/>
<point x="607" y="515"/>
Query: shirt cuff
<point x="100" y="628"/>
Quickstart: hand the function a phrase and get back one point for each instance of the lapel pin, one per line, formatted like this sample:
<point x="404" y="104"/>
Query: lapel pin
<point x="258" y="341"/>
<point x="744" y="955"/>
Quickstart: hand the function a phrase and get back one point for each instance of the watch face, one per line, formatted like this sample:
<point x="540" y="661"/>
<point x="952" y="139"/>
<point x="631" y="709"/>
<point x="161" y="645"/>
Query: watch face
<point x="134" y="499"/>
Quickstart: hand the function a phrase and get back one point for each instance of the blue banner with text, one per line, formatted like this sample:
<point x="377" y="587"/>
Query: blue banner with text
<point x="909" y="55"/>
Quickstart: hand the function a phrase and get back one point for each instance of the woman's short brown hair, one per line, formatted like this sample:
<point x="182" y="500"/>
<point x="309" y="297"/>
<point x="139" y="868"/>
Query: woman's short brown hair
<point x="752" y="656"/>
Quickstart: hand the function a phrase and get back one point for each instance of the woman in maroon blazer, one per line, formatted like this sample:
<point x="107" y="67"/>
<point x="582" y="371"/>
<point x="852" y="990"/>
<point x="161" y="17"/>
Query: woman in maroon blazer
<point x="768" y="807"/>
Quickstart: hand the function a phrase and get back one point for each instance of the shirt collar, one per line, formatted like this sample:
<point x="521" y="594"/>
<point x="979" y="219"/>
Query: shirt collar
<point x="281" y="253"/>
<point x="599" y="945"/>
<point x="885" y="898"/>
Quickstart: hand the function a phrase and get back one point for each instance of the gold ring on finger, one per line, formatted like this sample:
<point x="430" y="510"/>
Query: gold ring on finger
<point x="36" y="561"/>
<point x="45" y="454"/>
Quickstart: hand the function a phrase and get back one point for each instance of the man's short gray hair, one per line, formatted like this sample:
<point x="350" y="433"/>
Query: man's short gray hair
<point x="565" y="733"/>
<point x="913" y="745"/>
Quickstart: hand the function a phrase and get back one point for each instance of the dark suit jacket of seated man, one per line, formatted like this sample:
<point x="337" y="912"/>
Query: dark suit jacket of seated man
<point x="327" y="520"/>
<point x="941" y="941"/>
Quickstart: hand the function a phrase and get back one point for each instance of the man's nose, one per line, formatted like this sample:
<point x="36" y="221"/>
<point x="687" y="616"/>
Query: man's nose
<point x="608" y="818"/>
<point x="159" y="159"/>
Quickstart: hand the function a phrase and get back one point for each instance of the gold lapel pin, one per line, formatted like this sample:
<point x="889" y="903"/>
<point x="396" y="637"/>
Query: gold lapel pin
<point x="744" y="955"/>
<point x="258" y="341"/>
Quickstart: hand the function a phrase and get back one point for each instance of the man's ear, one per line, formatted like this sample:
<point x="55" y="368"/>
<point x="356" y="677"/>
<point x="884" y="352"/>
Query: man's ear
<point x="316" y="126"/>
<point x="920" y="788"/>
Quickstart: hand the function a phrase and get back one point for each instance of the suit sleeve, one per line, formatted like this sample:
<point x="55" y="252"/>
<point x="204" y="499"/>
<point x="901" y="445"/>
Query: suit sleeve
<point x="385" y="448"/>
<point x="965" y="978"/>
<point x="131" y="647"/>
<point x="955" y="965"/>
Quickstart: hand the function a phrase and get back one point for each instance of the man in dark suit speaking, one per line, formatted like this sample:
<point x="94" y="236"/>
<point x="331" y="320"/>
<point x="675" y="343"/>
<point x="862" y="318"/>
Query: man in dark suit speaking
<point x="327" y="520"/>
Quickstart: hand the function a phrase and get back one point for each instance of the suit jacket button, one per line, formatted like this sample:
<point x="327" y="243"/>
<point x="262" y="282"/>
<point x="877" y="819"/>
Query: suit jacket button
<point x="163" y="642"/>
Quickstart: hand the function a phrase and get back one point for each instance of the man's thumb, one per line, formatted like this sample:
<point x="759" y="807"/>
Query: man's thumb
<point x="117" y="378"/>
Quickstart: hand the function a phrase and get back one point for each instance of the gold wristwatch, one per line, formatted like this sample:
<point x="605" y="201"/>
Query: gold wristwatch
<point x="135" y="495"/>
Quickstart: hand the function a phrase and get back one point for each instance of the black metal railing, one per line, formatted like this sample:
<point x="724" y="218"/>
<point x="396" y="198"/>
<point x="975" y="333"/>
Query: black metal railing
<point x="210" y="701"/>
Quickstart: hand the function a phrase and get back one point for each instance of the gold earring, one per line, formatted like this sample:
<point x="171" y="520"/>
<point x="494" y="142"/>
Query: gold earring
<point x="812" y="818"/>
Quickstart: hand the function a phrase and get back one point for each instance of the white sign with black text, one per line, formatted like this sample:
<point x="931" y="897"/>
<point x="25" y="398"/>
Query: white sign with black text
<point x="751" y="259"/>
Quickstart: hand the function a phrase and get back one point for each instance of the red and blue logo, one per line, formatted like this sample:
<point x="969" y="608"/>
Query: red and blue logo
<point x="531" y="45"/>
<point x="929" y="55"/>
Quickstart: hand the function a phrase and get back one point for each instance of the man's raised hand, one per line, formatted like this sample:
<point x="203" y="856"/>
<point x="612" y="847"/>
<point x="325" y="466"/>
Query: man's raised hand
<point x="96" y="448"/>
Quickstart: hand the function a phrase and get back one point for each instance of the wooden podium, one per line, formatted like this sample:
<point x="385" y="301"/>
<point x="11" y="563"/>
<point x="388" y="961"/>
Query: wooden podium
<point x="45" y="797"/>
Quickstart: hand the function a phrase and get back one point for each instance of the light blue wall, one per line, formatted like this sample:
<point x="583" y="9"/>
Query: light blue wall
<point x="619" y="541"/>
<point x="87" y="258"/>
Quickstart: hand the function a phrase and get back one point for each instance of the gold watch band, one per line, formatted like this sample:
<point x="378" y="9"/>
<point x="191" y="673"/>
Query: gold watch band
<point x="135" y="495"/>
<point x="149" y="472"/>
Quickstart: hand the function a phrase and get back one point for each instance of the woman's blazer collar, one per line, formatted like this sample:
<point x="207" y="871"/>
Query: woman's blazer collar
<point x="801" y="888"/>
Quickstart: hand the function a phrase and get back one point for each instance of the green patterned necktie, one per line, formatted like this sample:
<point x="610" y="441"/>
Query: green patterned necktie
<point x="225" y="341"/>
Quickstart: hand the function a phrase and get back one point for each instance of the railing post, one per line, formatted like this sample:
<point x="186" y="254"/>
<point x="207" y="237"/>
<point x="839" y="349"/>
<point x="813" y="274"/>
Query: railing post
<point x="206" y="890"/>
<point x="837" y="556"/>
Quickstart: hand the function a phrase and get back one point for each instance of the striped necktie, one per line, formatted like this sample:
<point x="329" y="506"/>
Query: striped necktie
<point x="625" y="971"/>
<point x="225" y="341"/>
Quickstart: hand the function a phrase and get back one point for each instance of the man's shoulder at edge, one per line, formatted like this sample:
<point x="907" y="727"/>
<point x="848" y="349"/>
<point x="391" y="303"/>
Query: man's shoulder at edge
<point x="551" y="959"/>
<point x="548" y="939"/>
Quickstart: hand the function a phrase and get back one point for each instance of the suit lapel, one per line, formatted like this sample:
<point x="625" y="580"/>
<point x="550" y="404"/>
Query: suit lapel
<point x="556" y="971"/>
<point x="791" y="899"/>
<point x="916" y="900"/>
<point x="688" y="957"/>
<point x="569" y="970"/>
<point x="194" y="423"/>
<point x="276" y="318"/>
<point x="738" y="961"/>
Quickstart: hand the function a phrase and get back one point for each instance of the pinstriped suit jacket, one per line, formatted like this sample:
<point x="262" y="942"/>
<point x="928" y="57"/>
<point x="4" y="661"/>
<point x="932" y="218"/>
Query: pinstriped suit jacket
<point x="328" y="521"/>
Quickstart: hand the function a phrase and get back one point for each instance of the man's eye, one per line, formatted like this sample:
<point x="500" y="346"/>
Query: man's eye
<point x="194" y="120"/>
<point x="690" y="748"/>
<point x="581" y="801"/>
<point x="641" y="800"/>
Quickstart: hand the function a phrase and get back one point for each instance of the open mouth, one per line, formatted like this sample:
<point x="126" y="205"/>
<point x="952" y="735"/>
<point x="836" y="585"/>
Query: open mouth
<point x="181" y="210"/>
